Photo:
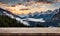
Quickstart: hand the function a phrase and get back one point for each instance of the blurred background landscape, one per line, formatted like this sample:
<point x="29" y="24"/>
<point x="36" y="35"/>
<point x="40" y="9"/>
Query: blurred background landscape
<point x="29" y="13"/>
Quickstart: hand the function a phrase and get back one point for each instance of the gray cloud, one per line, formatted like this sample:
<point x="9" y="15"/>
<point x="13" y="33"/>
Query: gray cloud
<point x="18" y="1"/>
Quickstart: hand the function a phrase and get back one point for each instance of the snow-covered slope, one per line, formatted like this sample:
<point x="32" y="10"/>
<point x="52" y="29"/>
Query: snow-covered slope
<point x="7" y="13"/>
<point x="41" y="17"/>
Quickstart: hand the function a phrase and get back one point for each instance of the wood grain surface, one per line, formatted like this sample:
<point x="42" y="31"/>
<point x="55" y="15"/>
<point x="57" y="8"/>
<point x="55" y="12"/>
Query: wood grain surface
<point x="29" y="30"/>
<point x="29" y="34"/>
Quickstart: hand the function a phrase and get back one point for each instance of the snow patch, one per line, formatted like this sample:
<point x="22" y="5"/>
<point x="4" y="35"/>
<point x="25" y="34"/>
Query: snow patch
<point x="36" y="20"/>
<point x="24" y="22"/>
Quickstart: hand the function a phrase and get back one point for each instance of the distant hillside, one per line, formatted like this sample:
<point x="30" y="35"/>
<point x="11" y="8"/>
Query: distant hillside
<point x="51" y="18"/>
<point x="56" y="16"/>
<point x="6" y="21"/>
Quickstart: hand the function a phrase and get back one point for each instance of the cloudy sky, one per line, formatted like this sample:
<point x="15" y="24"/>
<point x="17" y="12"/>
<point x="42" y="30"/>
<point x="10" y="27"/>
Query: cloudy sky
<point x="13" y="1"/>
<point x="49" y="7"/>
<point x="10" y="1"/>
<point x="55" y="5"/>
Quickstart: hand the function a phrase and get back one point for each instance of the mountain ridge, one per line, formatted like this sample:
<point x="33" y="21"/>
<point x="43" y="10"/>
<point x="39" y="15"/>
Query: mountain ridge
<point x="36" y="18"/>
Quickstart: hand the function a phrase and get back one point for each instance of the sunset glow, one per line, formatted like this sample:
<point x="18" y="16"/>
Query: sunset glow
<point x="23" y="9"/>
<point x="30" y="13"/>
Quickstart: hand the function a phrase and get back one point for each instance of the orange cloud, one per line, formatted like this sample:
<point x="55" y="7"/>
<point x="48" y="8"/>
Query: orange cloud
<point x="22" y="9"/>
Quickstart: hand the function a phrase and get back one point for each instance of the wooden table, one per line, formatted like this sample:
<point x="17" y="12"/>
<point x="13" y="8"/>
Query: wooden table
<point x="29" y="34"/>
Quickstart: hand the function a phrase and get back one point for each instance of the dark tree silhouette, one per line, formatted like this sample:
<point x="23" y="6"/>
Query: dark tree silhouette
<point x="6" y="21"/>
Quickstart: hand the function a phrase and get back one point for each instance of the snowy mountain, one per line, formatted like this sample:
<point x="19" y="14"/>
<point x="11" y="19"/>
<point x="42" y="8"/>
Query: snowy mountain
<point x="33" y="19"/>
<point x="37" y="15"/>
<point x="13" y="16"/>
<point x="41" y="17"/>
